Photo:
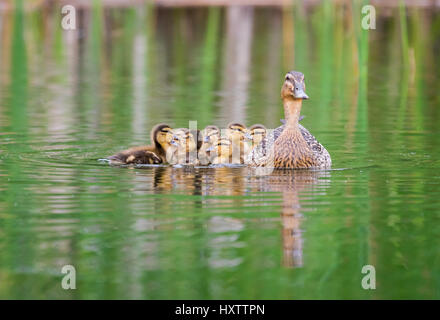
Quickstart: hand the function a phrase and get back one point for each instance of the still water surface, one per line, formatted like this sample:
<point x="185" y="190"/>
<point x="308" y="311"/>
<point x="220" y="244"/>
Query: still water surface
<point x="214" y="233"/>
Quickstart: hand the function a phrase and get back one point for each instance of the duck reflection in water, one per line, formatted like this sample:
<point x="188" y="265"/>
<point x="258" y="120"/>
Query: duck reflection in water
<point x="293" y="185"/>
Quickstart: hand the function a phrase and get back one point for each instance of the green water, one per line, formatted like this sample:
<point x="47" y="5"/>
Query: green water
<point x="215" y="233"/>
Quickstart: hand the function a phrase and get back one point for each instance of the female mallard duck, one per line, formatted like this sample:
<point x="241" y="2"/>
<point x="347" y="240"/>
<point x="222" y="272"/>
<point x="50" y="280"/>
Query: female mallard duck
<point x="161" y="136"/>
<point x="223" y="152"/>
<point x="210" y="136"/>
<point x="290" y="145"/>
<point x="184" y="147"/>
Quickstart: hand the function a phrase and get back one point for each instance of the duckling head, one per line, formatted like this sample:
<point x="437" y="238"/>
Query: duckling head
<point x="221" y="149"/>
<point x="183" y="139"/>
<point x="236" y="132"/>
<point x="256" y="134"/>
<point x="294" y="86"/>
<point x="161" y="136"/>
<point x="211" y="134"/>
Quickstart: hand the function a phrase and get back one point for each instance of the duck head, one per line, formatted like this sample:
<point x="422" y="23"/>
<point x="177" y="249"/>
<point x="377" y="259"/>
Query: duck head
<point x="236" y="131"/>
<point x="183" y="139"/>
<point x="294" y="86"/>
<point x="161" y="134"/>
<point x="211" y="134"/>
<point x="221" y="149"/>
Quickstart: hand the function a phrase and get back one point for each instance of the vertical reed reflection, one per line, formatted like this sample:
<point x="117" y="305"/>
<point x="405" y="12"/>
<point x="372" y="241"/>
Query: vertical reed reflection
<point x="237" y="62"/>
<point x="139" y="73"/>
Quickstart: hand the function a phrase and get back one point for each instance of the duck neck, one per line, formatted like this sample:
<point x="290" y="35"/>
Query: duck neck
<point x="292" y="110"/>
<point x="162" y="149"/>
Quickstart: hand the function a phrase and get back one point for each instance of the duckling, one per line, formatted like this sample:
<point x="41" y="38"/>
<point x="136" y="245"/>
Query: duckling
<point x="290" y="145"/>
<point x="236" y="133"/>
<point x="223" y="152"/>
<point x="183" y="148"/>
<point x="161" y="136"/>
<point x="210" y="136"/>
<point x="256" y="134"/>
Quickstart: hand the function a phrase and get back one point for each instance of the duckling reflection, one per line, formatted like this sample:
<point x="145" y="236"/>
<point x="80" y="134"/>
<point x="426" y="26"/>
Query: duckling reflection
<point x="224" y="228"/>
<point x="162" y="179"/>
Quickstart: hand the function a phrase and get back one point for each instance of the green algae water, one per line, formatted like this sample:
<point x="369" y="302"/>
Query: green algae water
<point x="69" y="98"/>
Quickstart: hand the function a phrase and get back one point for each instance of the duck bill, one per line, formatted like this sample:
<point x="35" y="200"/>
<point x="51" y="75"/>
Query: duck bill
<point x="300" y="94"/>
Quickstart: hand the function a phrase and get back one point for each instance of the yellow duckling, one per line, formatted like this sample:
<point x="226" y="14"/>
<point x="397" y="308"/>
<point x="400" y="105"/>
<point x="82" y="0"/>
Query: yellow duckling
<point x="236" y="133"/>
<point x="161" y="136"/>
<point x="211" y="134"/>
<point x="223" y="152"/>
<point x="256" y="134"/>
<point x="183" y="148"/>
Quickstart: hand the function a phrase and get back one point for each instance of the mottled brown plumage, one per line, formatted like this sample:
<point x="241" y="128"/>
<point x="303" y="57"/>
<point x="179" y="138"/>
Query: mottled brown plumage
<point x="161" y="136"/>
<point x="291" y="145"/>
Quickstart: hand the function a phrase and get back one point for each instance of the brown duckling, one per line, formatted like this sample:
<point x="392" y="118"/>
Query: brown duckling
<point x="161" y="136"/>
<point x="184" y="146"/>
<point x="256" y="134"/>
<point x="236" y="133"/>
<point x="211" y="134"/>
<point x="290" y="145"/>
<point x="223" y="152"/>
